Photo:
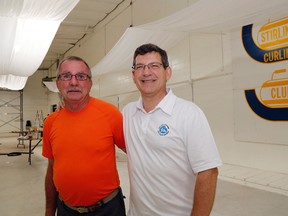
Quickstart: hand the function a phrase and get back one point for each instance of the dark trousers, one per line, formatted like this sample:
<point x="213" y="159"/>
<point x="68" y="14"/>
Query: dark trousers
<point x="114" y="207"/>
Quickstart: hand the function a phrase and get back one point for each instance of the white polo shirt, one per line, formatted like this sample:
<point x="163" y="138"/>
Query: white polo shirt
<point x="166" y="148"/>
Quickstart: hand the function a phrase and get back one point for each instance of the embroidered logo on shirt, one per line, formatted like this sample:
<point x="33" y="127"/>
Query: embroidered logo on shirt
<point x="163" y="130"/>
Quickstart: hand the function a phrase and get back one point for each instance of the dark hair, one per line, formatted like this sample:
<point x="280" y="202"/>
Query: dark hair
<point x="73" y="58"/>
<point x="147" y="48"/>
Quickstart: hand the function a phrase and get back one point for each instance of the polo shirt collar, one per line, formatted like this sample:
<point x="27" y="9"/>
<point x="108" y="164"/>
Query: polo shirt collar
<point x="166" y="104"/>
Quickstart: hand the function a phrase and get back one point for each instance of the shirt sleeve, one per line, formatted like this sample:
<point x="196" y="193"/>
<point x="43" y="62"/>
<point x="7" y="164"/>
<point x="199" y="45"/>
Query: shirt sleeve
<point x="201" y="147"/>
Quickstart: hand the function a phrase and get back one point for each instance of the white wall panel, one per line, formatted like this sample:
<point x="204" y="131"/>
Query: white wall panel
<point x="206" y="55"/>
<point x="183" y="90"/>
<point x="116" y="83"/>
<point x="214" y="96"/>
<point x="180" y="62"/>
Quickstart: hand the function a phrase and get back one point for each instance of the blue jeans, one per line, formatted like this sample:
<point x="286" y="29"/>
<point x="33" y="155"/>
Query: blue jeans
<point x="114" y="207"/>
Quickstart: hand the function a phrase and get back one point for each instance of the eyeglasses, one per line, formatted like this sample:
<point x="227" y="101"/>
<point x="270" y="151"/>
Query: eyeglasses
<point x="78" y="76"/>
<point x="154" y="66"/>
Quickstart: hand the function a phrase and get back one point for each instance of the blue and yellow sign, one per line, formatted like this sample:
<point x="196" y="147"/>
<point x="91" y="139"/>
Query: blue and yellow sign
<point x="272" y="41"/>
<point x="271" y="46"/>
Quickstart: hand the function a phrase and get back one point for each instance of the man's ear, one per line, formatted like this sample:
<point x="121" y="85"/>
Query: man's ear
<point x="57" y="84"/>
<point x="133" y="76"/>
<point x="168" y="73"/>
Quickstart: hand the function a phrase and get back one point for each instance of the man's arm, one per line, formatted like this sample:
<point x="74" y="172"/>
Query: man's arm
<point x="50" y="191"/>
<point x="204" y="193"/>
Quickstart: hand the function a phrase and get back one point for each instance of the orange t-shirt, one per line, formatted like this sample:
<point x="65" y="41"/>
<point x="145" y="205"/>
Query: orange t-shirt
<point x="82" y="145"/>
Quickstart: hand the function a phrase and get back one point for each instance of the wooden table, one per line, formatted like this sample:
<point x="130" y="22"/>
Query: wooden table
<point x="31" y="149"/>
<point x="23" y="135"/>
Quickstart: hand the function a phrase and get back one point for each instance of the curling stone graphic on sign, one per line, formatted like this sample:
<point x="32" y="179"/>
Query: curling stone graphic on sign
<point x="274" y="92"/>
<point x="272" y="103"/>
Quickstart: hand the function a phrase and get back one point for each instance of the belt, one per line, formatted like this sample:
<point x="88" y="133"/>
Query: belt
<point x="94" y="207"/>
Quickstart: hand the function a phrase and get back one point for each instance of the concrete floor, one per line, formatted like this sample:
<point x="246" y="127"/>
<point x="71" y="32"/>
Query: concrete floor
<point x="22" y="187"/>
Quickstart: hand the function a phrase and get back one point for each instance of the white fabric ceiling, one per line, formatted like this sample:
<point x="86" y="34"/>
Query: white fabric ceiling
<point x="27" y="30"/>
<point x="207" y="16"/>
<point x="22" y="49"/>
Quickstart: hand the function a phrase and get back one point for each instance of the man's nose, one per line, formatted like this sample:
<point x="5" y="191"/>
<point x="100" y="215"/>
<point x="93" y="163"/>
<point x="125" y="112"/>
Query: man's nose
<point x="146" y="70"/>
<point x="73" y="79"/>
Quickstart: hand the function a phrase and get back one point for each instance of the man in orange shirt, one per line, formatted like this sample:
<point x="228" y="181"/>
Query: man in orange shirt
<point x="79" y="143"/>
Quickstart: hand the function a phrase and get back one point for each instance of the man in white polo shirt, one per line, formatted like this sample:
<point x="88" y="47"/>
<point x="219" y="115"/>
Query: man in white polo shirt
<point x="172" y="156"/>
